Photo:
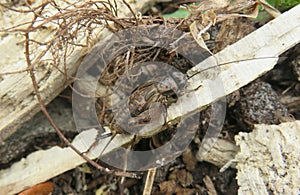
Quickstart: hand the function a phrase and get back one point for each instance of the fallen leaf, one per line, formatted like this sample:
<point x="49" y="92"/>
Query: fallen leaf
<point x="39" y="189"/>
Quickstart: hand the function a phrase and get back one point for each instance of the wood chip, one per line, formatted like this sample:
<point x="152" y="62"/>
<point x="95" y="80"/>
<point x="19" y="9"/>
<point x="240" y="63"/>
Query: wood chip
<point x="269" y="159"/>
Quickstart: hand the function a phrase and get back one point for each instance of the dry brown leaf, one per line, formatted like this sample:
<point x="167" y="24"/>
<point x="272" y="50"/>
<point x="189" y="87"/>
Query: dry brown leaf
<point x="40" y="189"/>
<point x="167" y="187"/>
<point x="209" y="185"/>
<point x="197" y="34"/>
<point x="189" y="159"/>
<point x="269" y="8"/>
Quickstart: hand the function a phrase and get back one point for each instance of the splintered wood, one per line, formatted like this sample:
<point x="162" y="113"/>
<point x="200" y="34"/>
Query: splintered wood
<point x="269" y="159"/>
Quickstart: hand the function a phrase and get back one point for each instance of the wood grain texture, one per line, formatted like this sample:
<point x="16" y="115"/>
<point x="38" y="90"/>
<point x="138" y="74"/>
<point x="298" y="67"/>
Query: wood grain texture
<point x="18" y="102"/>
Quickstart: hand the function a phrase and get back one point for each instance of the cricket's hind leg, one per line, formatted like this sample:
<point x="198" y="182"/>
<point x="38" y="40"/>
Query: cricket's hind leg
<point x="100" y="136"/>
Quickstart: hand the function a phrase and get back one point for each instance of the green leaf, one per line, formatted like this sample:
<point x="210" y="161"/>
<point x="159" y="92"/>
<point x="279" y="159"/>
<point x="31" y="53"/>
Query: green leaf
<point x="181" y="13"/>
<point x="283" y="5"/>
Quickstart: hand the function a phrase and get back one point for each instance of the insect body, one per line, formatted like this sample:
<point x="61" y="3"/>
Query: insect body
<point x="147" y="103"/>
<point x="144" y="92"/>
<point x="144" y="97"/>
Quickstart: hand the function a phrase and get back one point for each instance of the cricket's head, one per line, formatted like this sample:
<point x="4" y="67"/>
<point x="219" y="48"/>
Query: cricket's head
<point x="174" y="83"/>
<point x="167" y="85"/>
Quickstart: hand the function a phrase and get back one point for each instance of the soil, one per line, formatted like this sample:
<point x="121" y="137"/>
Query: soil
<point x="271" y="99"/>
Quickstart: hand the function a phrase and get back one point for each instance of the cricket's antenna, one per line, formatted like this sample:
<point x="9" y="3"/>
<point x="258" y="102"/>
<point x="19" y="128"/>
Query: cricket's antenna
<point x="226" y="63"/>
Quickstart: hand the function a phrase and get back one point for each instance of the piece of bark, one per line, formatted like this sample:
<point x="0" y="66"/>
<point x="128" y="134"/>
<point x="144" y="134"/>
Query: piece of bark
<point x="221" y="153"/>
<point x="269" y="159"/>
<point x="18" y="101"/>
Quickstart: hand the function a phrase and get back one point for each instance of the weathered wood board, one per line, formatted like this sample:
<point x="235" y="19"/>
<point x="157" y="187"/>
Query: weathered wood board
<point x="18" y="102"/>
